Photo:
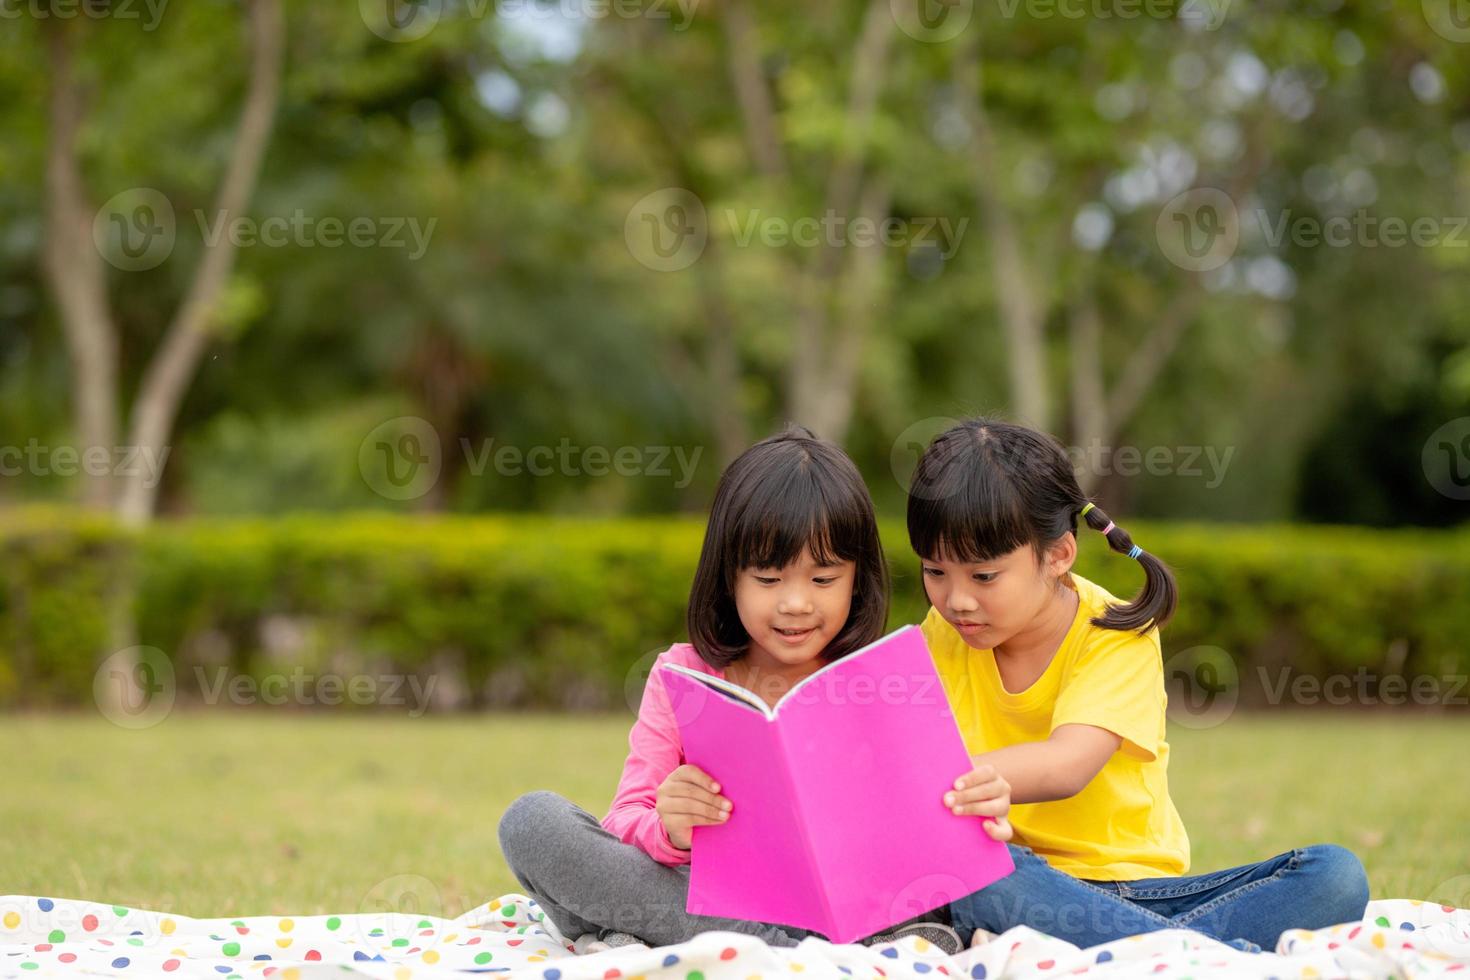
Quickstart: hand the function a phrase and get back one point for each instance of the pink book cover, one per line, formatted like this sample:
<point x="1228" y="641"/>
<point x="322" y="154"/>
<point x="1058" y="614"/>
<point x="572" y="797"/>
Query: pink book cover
<point x="838" y="822"/>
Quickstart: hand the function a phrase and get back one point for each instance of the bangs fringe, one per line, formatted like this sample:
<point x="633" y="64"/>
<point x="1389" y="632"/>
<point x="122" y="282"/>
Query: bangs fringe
<point x="962" y="509"/>
<point x="779" y="520"/>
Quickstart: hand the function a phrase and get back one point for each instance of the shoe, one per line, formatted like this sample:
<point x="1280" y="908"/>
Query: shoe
<point x="614" y="940"/>
<point x="937" y="933"/>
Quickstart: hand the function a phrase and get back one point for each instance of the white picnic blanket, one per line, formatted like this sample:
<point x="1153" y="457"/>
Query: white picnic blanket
<point x="46" y="937"/>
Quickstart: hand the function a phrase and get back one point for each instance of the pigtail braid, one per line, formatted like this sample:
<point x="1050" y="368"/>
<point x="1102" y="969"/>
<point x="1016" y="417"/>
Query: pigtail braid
<point x="1155" y="603"/>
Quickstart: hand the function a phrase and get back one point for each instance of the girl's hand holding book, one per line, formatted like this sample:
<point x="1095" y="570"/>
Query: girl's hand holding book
<point x="982" y="792"/>
<point x="689" y="798"/>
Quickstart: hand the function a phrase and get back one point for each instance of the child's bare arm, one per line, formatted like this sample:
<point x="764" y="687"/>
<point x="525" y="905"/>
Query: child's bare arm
<point x="1056" y="768"/>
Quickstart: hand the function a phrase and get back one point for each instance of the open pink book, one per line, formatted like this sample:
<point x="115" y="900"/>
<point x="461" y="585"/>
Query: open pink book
<point x="838" y="822"/>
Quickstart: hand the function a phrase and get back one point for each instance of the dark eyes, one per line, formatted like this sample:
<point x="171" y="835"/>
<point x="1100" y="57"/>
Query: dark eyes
<point x="822" y="580"/>
<point x="982" y="577"/>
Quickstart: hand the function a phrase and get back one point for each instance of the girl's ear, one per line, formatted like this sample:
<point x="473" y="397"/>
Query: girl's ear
<point x="1060" y="555"/>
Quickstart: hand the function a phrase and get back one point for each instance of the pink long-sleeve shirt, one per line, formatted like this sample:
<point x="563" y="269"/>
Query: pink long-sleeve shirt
<point x="654" y="751"/>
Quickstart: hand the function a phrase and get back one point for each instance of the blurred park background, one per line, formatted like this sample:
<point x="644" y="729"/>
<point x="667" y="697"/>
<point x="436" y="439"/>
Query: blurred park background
<point x="366" y="365"/>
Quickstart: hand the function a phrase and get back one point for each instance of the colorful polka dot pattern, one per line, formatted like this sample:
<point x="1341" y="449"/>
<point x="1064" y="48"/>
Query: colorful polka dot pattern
<point x="58" y="937"/>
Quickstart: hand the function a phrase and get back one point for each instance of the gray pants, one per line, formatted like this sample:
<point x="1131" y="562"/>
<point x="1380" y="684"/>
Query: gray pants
<point x="589" y="881"/>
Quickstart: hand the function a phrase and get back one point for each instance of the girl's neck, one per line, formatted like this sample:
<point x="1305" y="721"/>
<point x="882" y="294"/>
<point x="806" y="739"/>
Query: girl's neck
<point x="1043" y="638"/>
<point x="767" y="677"/>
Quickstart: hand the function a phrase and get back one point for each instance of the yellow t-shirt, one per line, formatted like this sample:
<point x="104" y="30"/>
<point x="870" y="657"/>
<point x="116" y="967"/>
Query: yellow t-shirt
<point x="1122" y="826"/>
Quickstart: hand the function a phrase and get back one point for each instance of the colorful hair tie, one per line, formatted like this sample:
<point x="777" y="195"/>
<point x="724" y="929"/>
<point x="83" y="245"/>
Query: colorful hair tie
<point x="1105" y="530"/>
<point x="1090" y="506"/>
<point x="1135" y="552"/>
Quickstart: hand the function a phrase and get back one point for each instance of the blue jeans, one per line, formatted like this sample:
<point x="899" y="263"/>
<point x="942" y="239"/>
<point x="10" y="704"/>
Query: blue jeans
<point x="1247" y="907"/>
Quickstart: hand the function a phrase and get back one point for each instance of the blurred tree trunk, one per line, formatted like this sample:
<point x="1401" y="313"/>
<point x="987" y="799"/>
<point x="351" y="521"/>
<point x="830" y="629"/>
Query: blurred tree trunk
<point x="823" y="372"/>
<point x="1021" y="303"/>
<point x="78" y="279"/>
<point x="825" y="355"/>
<point x="173" y="365"/>
<point x="1100" y="416"/>
<point x="74" y="269"/>
<point x="715" y="384"/>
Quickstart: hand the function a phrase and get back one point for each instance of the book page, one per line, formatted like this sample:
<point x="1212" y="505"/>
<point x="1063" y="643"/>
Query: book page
<point x="728" y="688"/>
<point x="757" y="865"/>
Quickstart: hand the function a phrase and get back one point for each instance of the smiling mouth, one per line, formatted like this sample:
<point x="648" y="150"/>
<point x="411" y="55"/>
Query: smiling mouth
<point x="794" y="633"/>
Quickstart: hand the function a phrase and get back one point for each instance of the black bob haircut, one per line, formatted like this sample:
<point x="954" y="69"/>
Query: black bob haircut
<point x="787" y="492"/>
<point x="985" y="487"/>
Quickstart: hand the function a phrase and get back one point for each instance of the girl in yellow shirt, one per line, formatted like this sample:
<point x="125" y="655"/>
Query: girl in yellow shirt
<point x="1058" y="689"/>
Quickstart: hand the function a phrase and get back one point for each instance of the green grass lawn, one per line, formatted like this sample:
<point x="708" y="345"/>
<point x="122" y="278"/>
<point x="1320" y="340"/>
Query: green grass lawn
<point x="236" y="814"/>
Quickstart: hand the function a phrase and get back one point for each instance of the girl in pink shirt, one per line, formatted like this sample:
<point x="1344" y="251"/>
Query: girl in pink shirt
<point x="791" y="577"/>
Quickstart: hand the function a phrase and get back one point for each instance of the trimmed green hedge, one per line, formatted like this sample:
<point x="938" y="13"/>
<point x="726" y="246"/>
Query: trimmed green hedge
<point x="526" y="610"/>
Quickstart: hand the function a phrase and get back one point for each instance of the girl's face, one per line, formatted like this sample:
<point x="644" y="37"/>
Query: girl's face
<point x="991" y="602"/>
<point x="792" y="613"/>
